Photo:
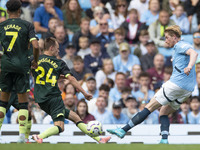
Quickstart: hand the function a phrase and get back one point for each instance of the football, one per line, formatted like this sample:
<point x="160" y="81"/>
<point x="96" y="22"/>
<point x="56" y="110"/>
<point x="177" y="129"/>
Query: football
<point x="94" y="128"/>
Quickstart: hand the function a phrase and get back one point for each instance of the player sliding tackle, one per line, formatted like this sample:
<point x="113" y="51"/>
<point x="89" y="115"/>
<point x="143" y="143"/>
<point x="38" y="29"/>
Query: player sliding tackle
<point x="173" y="92"/>
<point x="48" y="95"/>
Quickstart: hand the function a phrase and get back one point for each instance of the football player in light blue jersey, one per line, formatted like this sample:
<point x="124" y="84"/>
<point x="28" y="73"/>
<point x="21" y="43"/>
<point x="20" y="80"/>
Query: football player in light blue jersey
<point x="173" y="92"/>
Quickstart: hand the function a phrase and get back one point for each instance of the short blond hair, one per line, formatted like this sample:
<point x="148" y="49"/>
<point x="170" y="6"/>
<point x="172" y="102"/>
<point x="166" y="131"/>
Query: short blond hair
<point x="174" y="30"/>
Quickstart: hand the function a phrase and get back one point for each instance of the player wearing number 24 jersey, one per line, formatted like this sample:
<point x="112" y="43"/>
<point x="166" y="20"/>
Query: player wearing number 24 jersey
<point x="48" y="95"/>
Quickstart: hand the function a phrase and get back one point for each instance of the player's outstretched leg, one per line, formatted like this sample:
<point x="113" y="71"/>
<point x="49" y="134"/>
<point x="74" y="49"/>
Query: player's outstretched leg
<point x="56" y="129"/>
<point x="164" y="120"/>
<point x="3" y="106"/>
<point x="83" y="127"/>
<point x="137" y="119"/>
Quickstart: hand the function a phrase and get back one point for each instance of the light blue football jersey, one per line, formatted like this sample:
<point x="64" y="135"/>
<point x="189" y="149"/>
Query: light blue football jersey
<point x="181" y="61"/>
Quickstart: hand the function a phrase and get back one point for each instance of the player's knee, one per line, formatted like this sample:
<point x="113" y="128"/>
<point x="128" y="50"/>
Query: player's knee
<point x="23" y="105"/>
<point x="1" y="114"/>
<point x="22" y="118"/>
<point x="60" y="128"/>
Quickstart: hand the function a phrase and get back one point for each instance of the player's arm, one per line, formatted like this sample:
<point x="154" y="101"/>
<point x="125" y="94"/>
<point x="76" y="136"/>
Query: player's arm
<point x="193" y="57"/>
<point x="66" y="74"/>
<point x="75" y="83"/>
<point x="35" y="44"/>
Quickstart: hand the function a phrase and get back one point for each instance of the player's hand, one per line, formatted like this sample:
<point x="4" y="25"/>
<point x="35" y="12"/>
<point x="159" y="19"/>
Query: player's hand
<point x="187" y="70"/>
<point x="34" y="65"/>
<point x="88" y="96"/>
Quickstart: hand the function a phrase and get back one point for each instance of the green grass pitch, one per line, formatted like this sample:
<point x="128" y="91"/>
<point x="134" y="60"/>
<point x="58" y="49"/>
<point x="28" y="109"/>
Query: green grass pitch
<point x="96" y="147"/>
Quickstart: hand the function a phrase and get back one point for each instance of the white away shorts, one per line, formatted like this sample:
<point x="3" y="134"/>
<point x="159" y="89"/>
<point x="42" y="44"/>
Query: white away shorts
<point x="171" y="94"/>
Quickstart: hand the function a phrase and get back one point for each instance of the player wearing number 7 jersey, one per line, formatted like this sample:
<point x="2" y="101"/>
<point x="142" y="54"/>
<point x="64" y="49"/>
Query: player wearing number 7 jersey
<point x="15" y="35"/>
<point x="48" y="95"/>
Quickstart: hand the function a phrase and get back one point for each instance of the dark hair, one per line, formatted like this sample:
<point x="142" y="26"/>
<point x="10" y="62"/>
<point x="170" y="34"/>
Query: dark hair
<point x="82" y="101"/>
<point x="104" y="87"/>
<point x="66" y="88"/>
<point x="144" y="32"/>
<point x="168" y="70"/>
<point x="194" y="97"/>
<point x="111" y="82"/>
<point x="120" y="31"/>
<point x="116" y="8"/>
<point x="126" y="90"/>
<point x="196" y="32"/>
<point x="120" y="73"/>
<point x="13" y="5"/>
<point x="144" y="74"/>
<point x="48" y="42"/>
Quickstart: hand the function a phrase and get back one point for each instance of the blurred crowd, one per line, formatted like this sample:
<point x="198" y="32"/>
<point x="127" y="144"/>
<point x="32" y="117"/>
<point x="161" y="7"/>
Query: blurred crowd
<point x="116" y="50"/>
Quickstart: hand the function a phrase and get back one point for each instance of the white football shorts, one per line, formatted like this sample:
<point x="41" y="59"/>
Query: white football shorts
<point x="171" y="94"/>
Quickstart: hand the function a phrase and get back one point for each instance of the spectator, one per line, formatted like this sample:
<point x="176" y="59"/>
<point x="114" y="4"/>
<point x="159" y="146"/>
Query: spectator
<point x="141" y="48"/>
<point x="106" y="72"/>
<point x="120" y="14"/>
<point x="82" y="111"/>
<point x="103" y="92"/>
<point x="152" y="14"/>
<point x="84" y="47"/>
<point x="70" y="54"/>
<point x="167" y="74"/>
<point x="192" y="7"/>
<point x="152" y="118"/>
<point x="132" y="81"/>
<point x="53" y="22"/>
<point x="125" y="93"/>
<point x="156" y="73"/>
<point x="196" y="41"/>
<point x="132" y="27"/>
<point x="115" y="93"/>
<point x="91" y="88"/>
<point x="196" y="91"/>
<point x="93" y="61"/>
<point x="110" y="83"/>
<point x="147" y="59"/>
<point x="68" y="89"/>
<point x="89" y="12"/>
<point x="62" y="39"/>
<point x="175" y="118"/>
<point x="144" y="93"/>
<point x="105" y="35"/>
<point x="113" y="47"/>
<point x="194" y="115"/>
<point x="84" y="31"/>
<point x="44" y="13"/>
<point x="95" y="23"/>
<point x="125" y="61"/>
<point x="180" y="18"/>
<point x="184" y="112"/>
<point x="28" y="12"/>
<point x="140" y="5"/>
<point x="101" y="113"/>
<point x="70" y="102"/>
<point x="116" y="117"/>
<point x="79" y="70"/>
<point x="156" y="29"/>
<point x="131" y="107"/>
<point x="72" y="14"/>
<point x="170" y="5"/>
